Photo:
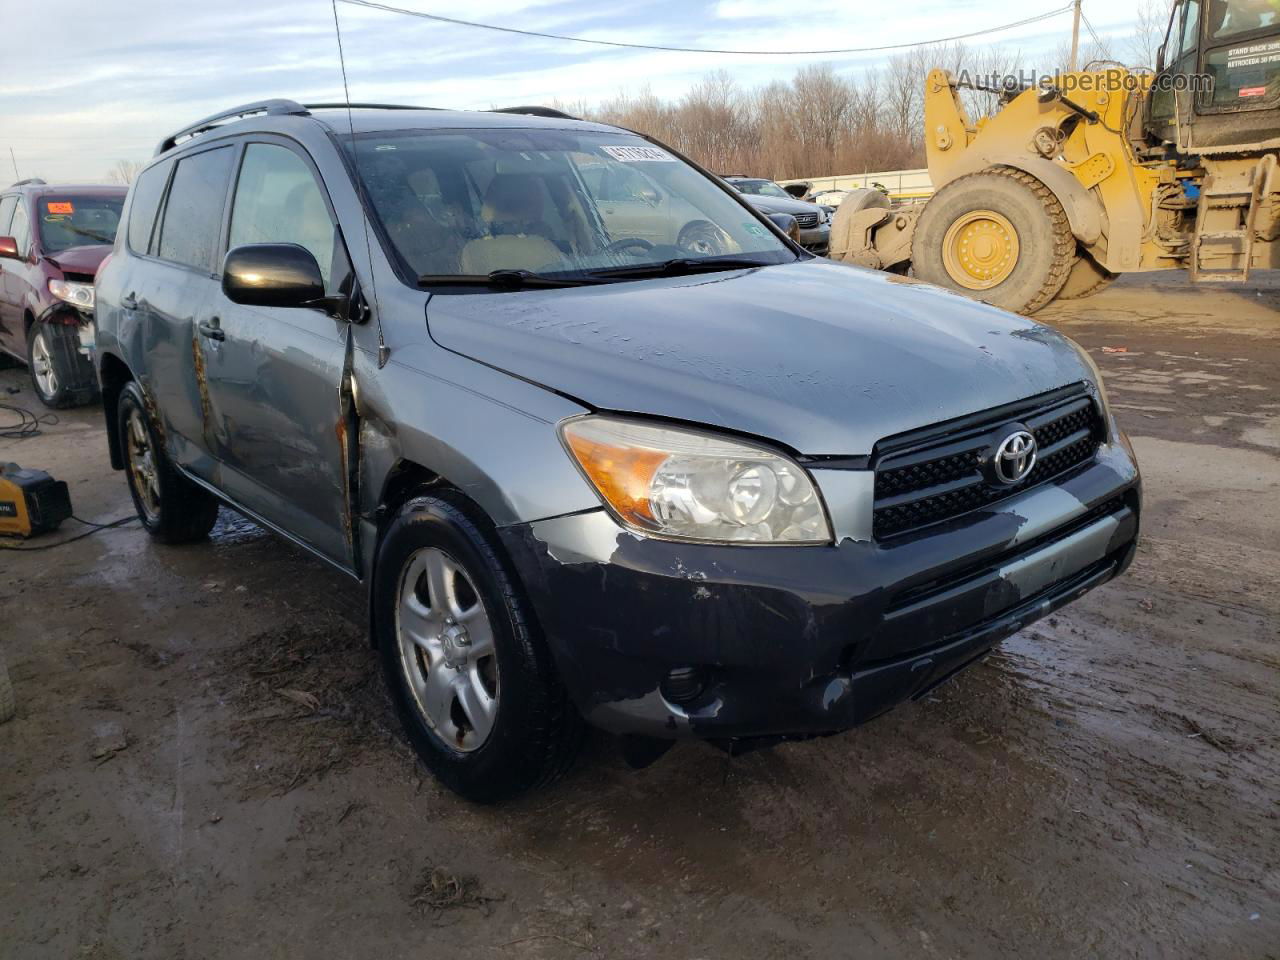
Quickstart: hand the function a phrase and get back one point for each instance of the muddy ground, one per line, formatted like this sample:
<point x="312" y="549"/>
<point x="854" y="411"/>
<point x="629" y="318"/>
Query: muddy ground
<point x="203" y="764"/>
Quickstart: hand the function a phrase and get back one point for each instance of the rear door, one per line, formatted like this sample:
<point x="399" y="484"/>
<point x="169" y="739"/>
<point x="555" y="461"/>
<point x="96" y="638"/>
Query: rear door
<point x="168" y="292"/>
<point x="273" y="374"/>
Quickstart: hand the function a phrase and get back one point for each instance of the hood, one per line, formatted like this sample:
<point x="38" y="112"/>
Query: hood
<point x="779" y="205"/>
<point x="84" y="259"/>
<point x="821" y="357"/>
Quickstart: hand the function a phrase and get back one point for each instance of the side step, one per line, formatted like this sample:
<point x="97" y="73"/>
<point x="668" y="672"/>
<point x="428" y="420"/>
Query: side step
<point x="1226" y="219"/>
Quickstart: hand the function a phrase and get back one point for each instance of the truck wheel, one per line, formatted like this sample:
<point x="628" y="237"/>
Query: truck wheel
<point x="7" y="704"/>
<point x="999" y="235"/>
<point x="472" y="681"/>
<point x="171" y="507"/>
<point x="1086" y="278"/>
<point x="60" y="375"/>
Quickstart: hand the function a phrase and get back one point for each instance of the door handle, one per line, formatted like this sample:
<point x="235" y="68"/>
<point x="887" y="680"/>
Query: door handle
<point x="129" y="302"/>
<point x="211" y="328"/>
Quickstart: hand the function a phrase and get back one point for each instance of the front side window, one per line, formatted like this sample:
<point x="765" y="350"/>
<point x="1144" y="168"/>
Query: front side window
<point x="6" y="214"/>
<point x="70" y="220"/>
<point x="278" y="201"/>
<point x="470" y="202"/>
<point x="20" y="230"/>
<point x="192" y="224"/>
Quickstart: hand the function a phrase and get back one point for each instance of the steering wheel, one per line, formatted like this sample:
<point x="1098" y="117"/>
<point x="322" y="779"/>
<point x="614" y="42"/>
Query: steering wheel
<point x="620" y="245"/>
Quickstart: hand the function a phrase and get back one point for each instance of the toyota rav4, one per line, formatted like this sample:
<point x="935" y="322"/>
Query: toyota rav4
<point x="657" y="469"/>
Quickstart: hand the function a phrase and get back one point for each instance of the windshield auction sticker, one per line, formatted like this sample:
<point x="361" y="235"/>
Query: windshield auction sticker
<point x="638" y="154"/>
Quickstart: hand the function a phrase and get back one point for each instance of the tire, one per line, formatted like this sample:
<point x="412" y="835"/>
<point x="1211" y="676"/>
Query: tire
<point x="1086" y="278"/>
<point x="498" y="676"/>
<point x="60" y="376"/>
<point x="1029" y="249"/>
<point x="8" y="706"/>
<point x="171" y="507"/>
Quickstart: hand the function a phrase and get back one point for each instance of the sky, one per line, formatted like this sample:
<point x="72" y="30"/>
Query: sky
<point x="84" y="83"/>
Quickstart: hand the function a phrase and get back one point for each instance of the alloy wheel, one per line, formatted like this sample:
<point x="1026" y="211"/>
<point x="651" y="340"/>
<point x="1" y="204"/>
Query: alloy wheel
<point x="42" y="365"/>
<point x="447" y="650"/>
<point x="142" y="465"/>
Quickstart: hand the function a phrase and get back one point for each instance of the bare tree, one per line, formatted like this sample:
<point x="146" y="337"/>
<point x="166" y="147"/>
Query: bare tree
<point x="123" y="171"/>
<point x="1148" y="34"/>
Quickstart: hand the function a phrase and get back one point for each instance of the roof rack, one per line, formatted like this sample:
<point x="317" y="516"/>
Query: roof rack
<point x="366" y="106"/>
<point x="269" y="107"/>
<point x="551" y="112"/>
<point x="29" y="182"/>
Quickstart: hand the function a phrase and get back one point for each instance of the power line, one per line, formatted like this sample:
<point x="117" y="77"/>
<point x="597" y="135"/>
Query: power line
<point x="387" y="8"/>
<point x="1094" y="33"/>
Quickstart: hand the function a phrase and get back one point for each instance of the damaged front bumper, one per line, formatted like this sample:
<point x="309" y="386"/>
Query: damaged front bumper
<point x="671" y="639"/>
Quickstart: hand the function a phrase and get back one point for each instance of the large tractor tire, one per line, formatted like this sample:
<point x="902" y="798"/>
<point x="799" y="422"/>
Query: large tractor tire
<point x="999" y="235"/>
<point x="1086" y="278"/>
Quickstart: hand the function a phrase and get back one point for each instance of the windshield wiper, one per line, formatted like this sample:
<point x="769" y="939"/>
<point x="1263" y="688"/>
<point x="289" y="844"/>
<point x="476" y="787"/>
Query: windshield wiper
<point x="504" y="279"/>
<point x="678" y="267"/>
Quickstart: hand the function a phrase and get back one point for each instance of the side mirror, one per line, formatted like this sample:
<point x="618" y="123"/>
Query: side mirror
<point x="787" y="224"/>
<point x="9" y="248"/>
<point x="650" y="196"/>
<point x="273" y="275"/>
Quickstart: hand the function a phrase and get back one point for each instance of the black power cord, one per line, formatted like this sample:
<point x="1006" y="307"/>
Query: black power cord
<point x="97" y="528"/>
<point x="28" y="425"/>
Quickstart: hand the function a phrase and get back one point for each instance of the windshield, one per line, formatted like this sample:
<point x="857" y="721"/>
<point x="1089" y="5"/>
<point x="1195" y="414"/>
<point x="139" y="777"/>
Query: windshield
<point x="762" y="188"/>
<point x="550" y="202"/>
<point x="72" y="221"/>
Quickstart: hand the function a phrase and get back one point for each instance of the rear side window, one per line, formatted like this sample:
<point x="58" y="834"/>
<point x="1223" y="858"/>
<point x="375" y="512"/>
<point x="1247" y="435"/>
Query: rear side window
<point x="279" y="201"/>
<point x="6" y="214"/>
<point x="147" y="191"/>
<point x="192" y="222"/>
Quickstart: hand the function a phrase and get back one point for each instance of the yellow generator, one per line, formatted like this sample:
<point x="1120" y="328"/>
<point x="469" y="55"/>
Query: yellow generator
<point x="1082" y="176"/>
<point x="31" y="501"/>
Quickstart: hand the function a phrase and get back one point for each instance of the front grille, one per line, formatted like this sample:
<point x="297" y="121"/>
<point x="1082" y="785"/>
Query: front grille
<point x="806" y="220"/>
<point x="935" y="474"/>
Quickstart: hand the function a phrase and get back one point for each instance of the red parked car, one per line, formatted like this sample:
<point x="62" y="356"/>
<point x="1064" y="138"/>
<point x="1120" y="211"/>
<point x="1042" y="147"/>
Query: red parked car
<point x="52" y="240"/>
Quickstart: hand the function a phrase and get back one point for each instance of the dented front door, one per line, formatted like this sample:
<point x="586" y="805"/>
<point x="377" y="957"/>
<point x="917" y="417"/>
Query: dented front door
<point x="276" y="419"/>
<point x="273" y="376"/>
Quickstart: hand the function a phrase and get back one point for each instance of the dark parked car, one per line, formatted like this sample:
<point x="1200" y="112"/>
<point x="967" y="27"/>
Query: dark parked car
<point x="52" y="239"/>
<point x="767" y="197"/>
<point x="741" y="495"/>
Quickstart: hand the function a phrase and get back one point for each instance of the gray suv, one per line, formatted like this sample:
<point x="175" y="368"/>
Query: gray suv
<point x="696" y="483"/>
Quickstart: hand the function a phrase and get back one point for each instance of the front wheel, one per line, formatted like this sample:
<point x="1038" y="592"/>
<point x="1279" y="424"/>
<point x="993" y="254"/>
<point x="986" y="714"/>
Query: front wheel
<point x="471" y="679"/>
<point x="60" y="375"/>
<point x="1000" y="236"/>
<point x="171" y="507"/>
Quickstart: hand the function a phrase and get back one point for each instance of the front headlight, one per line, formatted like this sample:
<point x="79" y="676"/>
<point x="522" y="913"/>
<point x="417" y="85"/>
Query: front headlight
<point x="77" y="294"/>
<point x="690" y="485"/>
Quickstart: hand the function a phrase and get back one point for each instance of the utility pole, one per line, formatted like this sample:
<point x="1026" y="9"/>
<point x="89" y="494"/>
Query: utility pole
<point x="1075" y="36"/>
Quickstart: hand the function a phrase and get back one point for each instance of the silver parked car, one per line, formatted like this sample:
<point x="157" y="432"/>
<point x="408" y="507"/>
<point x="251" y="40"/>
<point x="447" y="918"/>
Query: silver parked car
<point x="662" y="471"/>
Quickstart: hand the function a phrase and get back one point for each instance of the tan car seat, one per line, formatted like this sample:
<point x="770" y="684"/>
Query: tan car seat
<point x="513" y="213"/>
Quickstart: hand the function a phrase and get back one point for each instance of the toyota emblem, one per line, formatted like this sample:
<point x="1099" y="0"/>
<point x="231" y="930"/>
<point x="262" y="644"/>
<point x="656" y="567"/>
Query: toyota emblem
<point x="1014" y="457"/>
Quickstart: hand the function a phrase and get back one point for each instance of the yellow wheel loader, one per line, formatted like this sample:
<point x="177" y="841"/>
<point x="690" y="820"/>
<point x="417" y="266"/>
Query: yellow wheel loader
<point x="1082" y="176"/>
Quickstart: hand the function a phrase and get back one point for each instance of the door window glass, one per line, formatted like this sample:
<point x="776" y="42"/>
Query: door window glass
<point x="21" y="230"/>
<point x="147" y="191"/>
<point x="6" y="214"/>
<point x="278" y="201"/>
<point x="192" y="221"/>
<point x="1230" y="18"/>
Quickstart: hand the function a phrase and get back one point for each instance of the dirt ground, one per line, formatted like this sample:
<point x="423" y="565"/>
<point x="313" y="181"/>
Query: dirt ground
<point x="203" y="764"/>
